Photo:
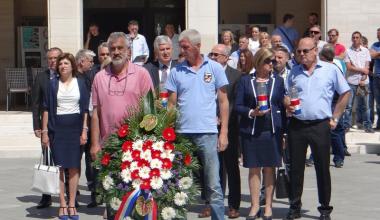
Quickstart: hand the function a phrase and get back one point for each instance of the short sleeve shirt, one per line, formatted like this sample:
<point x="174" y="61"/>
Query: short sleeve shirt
<point x="114" y="95"/>
<point x="357" y="57"/>
<point x="376" y="47"/>
<point x="196" y="95"/>
<point x="316" y="91"/>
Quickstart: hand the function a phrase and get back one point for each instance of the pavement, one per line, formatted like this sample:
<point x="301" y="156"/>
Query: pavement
<point x="355" y="187"/>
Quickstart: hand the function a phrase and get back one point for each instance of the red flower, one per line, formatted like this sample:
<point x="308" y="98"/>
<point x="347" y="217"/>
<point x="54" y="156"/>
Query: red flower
<point x="127" y="146"/>
<point x="169" y="134"/>
<point x="136" y="155"/>
<point x="106" y="159"/>
<point x="135" y="174"/>
<point x="166" y="164"/>
<point x="156" y="154"/>
<point x="187" y="160"/>
<point x="123" y="131"/>
<point x="154" y="172"/>
<point x="147" y="145"/>
<point x="124" y="165"/>
<point x="143" y="163"/>
<point x="168" y="146"/>
<point x="145" y="185"/>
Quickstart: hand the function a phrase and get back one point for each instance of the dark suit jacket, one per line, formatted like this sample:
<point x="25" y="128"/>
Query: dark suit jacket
<point x="40" y="86"/>
<point x="246" y="100"/>
<point x="153" y="69"/>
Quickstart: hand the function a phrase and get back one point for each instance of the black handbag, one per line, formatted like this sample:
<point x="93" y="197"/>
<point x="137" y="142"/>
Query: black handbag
<point x="282" y="184"/>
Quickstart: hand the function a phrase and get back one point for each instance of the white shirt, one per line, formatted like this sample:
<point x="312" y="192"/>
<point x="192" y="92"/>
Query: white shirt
<point x="358" y="58"/>
<point x="139" y="47"/>
<point x="253" y="45"/>
<point x="160" y="65"/>
<point x="320" y="45"/>
<point x="68" y="98"/>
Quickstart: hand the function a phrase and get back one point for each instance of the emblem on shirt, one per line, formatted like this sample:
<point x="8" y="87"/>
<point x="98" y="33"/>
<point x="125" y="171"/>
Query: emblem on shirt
<point x="207" y="77"/>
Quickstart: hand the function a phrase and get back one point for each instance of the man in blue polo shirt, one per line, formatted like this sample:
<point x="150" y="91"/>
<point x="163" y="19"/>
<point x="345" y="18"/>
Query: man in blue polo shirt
<point x="194" y="85"/>
<point x="375" y="55"/>
<point x="316" y="82"/>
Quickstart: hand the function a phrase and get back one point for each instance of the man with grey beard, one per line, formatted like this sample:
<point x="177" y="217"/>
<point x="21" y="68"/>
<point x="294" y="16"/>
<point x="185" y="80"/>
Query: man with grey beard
<point x="113" y="94"/>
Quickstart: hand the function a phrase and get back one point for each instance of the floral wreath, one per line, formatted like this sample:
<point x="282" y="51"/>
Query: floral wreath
<point x="145" y="168"/>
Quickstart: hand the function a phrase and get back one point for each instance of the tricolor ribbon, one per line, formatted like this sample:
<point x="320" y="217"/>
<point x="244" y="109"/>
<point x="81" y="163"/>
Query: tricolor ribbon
<point x="296" y="104"/>
<point x="128" y="203"/>
<point x="263" y="102"/>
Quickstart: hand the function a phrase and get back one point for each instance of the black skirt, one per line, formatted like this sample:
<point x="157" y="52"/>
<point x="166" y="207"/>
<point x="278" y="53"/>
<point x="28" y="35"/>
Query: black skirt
<point x="261" y="150"/>
<point x="65" y="141"/>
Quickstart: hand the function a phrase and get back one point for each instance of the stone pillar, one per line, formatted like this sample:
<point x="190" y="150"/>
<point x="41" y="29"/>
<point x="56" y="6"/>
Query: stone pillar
<point x="65" y="24"/>
<point x="7" y="42"/>
<point x="203" y="16"/>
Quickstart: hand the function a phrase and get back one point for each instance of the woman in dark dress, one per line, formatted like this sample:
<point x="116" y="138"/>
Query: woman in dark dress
<point x="65" y="127"/>
<point x="261" y="130"/>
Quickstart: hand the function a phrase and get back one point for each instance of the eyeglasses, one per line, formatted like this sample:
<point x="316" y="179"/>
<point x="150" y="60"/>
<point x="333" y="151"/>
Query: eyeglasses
<point x="269" y="61"/>
<point x="116" y="92"/>
<point x="315" y="32"/>
<point x="215" y="54"/>
<point x="305" y="51"/>
<point x="355" y="37"/>
<point x="332" y="35"/>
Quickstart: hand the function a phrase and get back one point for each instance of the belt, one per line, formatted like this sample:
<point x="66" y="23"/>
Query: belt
<point x="310" y="122"/>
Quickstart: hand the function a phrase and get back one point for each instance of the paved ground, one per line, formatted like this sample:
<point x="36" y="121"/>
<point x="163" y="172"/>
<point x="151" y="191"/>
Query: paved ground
<point x="355" y="195"/>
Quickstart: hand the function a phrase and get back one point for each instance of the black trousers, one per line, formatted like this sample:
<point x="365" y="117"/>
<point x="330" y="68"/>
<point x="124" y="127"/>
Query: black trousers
<point x="317" y="135"/>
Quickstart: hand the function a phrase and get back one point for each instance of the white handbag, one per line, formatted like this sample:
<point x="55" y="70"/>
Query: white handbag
<point x="46" y="177"/>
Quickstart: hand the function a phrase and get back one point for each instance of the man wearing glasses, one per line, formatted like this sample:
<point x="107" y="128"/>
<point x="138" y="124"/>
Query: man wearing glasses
<point x="339" y="49"/>
<point x="316" y="81"/>
<point x="115" y="90"/>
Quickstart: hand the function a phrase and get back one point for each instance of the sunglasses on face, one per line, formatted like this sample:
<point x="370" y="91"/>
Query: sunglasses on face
<point x="269" y="61"/>
<point x="215" y="54"/>
<point x="305" y="51"/>
<point x="315" y="32"/>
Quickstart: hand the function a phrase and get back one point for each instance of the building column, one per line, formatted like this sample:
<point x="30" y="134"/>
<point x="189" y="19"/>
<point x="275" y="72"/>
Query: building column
<point x="7" y="42"/>
<point x="203" y="16"/>
<point x="65" y="25"/>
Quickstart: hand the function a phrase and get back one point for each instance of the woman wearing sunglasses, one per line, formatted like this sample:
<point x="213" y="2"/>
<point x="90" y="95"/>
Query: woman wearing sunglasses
<point x="259" y="101"/>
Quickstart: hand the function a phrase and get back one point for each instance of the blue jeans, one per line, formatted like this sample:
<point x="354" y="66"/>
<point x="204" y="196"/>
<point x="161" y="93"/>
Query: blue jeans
<point x="208" y="154"/>
<point x="362" y="106"/>
<point x="338" y="141"/>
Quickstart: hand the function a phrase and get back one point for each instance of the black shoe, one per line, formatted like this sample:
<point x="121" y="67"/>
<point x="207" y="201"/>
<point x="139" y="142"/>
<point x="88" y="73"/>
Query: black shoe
<point x="325" y="212"/>
<point x="253" y="217"/>
<point x="369" y="130"/>
<point x="45" y="202"/>
<point x="346" y="153"/>
<point x="309" y="162"/>
<point x="262" y="200"/>
<point x="293" y="214"/>
<point x="92" y="204"/>
<point x="325" y="217"/>
<point x="338" y="164"/>
<point x="267" y="217"/>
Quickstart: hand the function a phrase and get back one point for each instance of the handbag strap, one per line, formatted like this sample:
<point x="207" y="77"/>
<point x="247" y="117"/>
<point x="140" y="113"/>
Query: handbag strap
<point x="284" y="33"/>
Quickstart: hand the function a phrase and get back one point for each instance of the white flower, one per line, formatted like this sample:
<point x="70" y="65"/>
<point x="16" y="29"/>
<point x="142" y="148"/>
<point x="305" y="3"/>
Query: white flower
<point x="165" y="174"/>
<point x="136" y="184"/>
<point x="156" y="163"/>
<point x="185" y="183"/>
<point x="107" y="183"/>
<point x="146" y="155"/>
<point x="134" y="166"/>
<point x="127" y="218"/>
<point x="126" y="175"/>
<point x="156" y="183"/>
<point x="115" y="203"/>
<point x="168" y="213"/>
<point x="180" y="198"/>
<point x="137" y="145"/>
<point x="127" y="156"/>
<point x="144" y="172"/>
<point x="167" y="154"/>
<point x="159" y="145"/>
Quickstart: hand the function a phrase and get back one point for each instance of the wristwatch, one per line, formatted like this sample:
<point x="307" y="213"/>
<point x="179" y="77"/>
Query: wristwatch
<point x="336" y="120"/>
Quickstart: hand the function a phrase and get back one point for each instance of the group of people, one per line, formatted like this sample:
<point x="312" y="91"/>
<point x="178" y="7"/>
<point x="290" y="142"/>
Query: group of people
<point x="234" y="102"/>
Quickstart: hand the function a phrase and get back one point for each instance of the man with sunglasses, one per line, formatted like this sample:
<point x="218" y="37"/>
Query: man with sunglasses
<point x="115" y="90"/>
<point x="316" y="82"/>
<point x="315" y="33"/>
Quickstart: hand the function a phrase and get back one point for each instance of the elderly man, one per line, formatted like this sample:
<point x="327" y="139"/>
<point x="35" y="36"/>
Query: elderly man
<point x="243" y="45"/>
<point x="139" y="47"/>
<point x="112" y="94"/>
<point x="229" y="159"/>
<point x="40" y="86"/>
<point x="206" y="80"/>
<point x="357" y="61"/>
<point x="170" y="32"/>
<point x="276" y="41"/>
<point x="316" y="82"/>
<point x="159" y="71"/>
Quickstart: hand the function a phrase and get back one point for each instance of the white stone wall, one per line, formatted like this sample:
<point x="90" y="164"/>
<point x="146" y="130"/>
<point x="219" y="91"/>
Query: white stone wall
<point x="352" y="15"/>
<point x="203" y="16"/>
<point x="65" y="23"/>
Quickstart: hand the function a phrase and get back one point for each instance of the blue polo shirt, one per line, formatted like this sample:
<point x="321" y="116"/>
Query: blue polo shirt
<point x="316" y="91"/>
<point x="196" y="95"/>
<point x="291" y="36"/>
<point x="376" y="47"/>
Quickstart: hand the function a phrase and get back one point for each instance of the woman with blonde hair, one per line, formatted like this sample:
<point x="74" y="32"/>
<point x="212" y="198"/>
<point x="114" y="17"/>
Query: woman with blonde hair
<point x="259" y="101"/>
<point x="229" y="41"/>
<point x="264" y="41"/>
